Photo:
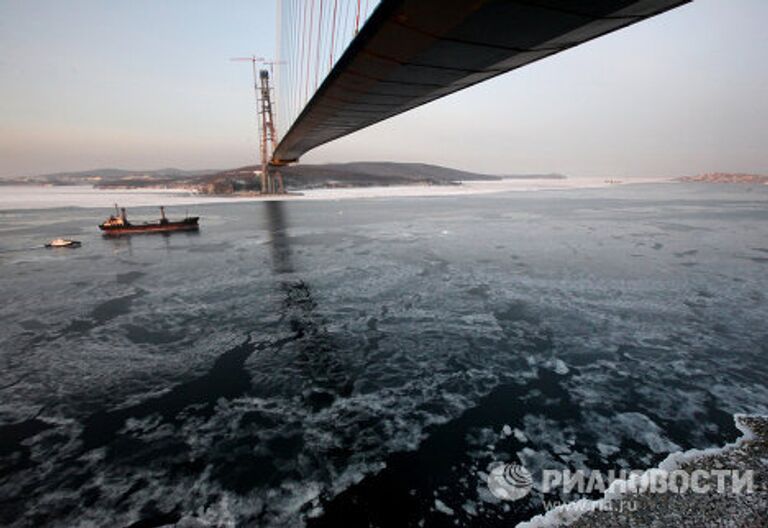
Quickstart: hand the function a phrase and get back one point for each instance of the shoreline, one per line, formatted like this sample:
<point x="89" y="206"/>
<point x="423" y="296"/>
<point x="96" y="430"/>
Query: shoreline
<point x="27" y="197"/>
<point x="687" y="510"/>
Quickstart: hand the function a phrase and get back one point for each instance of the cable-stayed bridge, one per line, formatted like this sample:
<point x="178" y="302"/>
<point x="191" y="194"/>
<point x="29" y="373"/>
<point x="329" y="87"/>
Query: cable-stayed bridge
<point x="344" y="65"/>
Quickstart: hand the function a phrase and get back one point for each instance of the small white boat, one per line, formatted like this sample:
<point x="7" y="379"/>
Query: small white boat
<point x="62" y="243"/>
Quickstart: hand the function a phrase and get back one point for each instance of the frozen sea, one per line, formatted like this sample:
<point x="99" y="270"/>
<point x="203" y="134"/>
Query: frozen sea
<point x="366" y="362"/>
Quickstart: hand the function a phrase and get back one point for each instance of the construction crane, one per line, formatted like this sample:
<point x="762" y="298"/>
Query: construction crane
<point x="266" y="120"/>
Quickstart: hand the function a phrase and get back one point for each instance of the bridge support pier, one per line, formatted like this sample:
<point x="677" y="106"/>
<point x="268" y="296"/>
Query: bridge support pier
<point x="272" y="181"/>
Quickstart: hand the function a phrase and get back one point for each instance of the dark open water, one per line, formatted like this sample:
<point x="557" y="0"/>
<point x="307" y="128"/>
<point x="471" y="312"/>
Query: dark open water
<point x="355" y="363"/>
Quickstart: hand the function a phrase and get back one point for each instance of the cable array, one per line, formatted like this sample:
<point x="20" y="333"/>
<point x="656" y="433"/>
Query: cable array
<point x="312" y="35"/>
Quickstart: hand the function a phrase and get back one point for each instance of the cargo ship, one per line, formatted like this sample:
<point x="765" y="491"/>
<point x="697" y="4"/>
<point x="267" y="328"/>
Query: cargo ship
<point x="118" y="224"/>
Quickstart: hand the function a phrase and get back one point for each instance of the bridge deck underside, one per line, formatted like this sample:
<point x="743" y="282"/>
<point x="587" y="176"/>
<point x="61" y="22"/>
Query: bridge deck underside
<point x="411" y="52"/>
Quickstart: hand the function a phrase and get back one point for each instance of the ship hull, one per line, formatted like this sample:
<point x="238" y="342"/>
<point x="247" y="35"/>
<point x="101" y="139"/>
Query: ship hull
<point x="189" y="224"/>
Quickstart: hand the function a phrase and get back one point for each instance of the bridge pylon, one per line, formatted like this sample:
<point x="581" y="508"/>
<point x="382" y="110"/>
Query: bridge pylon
<point x="271" y="181"/>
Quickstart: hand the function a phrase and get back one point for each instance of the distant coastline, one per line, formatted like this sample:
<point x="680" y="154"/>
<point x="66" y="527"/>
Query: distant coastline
<point x="725" y="177"/>
<point x="46" y="196"/>
<point x="245" y="180"/>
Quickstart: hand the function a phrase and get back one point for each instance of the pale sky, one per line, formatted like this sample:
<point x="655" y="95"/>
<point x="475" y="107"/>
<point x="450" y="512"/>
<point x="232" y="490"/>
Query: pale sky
<point x="144" y="84"/>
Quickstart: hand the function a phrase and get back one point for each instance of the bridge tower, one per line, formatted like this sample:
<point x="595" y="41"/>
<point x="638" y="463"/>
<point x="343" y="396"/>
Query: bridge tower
<point x="271" y="180"/>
